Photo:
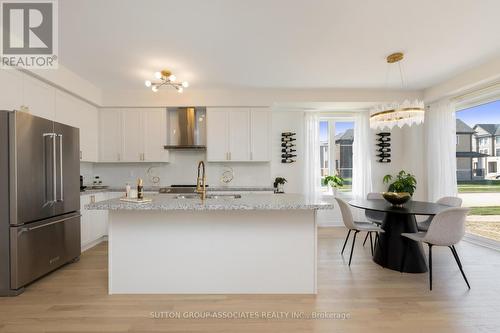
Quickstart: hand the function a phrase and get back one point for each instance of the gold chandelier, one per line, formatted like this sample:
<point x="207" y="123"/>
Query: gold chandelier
<point x="398" y="114"/>
<point x="166" y="79"/>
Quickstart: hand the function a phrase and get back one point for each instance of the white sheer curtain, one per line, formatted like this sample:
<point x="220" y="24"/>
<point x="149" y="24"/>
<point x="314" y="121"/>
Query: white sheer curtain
<point x="362" y="156"/>
<point x="440" y="128"/>
<point x="312" y="177"/>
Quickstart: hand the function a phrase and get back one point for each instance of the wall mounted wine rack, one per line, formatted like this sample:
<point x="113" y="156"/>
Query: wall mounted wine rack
<point x="384" y="147"/>
<point x="288" y="147"/>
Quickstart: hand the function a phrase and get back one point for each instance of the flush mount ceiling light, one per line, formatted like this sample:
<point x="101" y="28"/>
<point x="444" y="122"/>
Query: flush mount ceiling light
<point x="166" y="79"/>
<point x="397" y="114"/>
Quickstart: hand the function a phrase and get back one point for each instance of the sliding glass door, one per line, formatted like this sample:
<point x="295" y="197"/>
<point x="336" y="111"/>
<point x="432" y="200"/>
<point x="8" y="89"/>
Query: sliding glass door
<point x="478" y="163"/>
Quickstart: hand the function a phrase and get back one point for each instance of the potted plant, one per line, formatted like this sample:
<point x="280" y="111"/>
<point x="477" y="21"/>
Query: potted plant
<point x="334" y="182"/>
<point x="401" y="188"/>
<point x="279" y="183"/>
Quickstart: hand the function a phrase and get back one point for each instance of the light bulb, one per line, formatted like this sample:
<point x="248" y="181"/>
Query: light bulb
<point x="158" y="75"/>
<point x="185" y="84"/>
<point x="172" y="78"/>
<point x="147" y="83"/>
<point x="180" y="90"/>
<point x="154" y="88"/>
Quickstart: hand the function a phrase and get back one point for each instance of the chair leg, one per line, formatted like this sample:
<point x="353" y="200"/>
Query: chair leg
<point x="346" y="239"/>
<point x="364" y="242"/>
<point x="371" y="242"/>
<point x="352" y="248"/>
<point x="430" y="266"/>
<point x="457" y="259"/>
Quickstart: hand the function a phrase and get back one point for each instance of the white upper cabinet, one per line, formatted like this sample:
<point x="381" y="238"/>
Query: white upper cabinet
<point x="133" y="135"/>
<point x="217" y="134"/>
<point x="155" y="135"/>
<point x="110" y="135"/>
<point x="11" y="87"/>
<point x="89" y="133"/>
<point x="39" y="97"/>
<point x="238" y="134"/>
<point x="72" y="111"/>
<point x="260" y="129"/>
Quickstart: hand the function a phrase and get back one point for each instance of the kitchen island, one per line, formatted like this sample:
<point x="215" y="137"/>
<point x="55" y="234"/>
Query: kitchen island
<point x="255" y="243"/>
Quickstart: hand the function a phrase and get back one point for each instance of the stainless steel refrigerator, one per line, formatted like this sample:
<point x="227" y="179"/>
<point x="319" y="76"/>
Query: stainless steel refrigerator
<point x="39" y="198"/>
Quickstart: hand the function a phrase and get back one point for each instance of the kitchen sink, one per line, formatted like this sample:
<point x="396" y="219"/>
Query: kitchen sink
<point x="209" y="196"/>
<point x="222" y="196"/>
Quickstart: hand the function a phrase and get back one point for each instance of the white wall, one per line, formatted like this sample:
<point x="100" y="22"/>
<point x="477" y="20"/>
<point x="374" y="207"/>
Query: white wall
<point x="288" y="121"/>
<point x="476" y="77"/>
<point x="407" y="153"/>
<point x="65" y="79"/>
<point x="250" y="97"/>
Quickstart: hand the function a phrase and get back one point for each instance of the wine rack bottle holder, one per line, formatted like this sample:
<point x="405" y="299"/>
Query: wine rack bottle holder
<point x="384" y="147"/>
<point x="288" y="147"/>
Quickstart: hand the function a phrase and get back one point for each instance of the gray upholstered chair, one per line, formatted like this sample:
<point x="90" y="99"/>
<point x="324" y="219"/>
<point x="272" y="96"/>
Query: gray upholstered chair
<point x="373" y="216"/>
<point x="447" y="229"/>
<point x="354" y="226"/>
<point x="447" y="201"/>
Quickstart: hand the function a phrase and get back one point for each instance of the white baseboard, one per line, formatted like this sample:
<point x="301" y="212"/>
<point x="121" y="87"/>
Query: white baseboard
<point x="90" y="245"/>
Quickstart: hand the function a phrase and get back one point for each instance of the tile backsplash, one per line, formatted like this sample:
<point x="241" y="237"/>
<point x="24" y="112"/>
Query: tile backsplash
<point x="181" y="169"/>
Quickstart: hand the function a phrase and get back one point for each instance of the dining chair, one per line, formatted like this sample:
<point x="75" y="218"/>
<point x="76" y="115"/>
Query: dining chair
<point x="354" y="226"/>
<point x="447" y="229"/>
<point x="447" y="201"/>
<point x="373" y="216"/>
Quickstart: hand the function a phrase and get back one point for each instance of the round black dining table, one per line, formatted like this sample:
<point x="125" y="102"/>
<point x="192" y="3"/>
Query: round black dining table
<point x="389" y="251"/>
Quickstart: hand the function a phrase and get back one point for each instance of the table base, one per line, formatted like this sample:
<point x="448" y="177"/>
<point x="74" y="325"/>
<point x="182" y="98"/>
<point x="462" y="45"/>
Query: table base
<point x="392" y="245"/>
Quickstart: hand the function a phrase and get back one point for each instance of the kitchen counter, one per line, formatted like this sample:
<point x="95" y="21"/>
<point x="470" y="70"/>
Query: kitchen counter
<point x="170" y="202"/>
<point x="257" y="244"/>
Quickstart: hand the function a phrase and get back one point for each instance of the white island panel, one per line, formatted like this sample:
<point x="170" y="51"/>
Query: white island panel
<point x="212" y="252"/>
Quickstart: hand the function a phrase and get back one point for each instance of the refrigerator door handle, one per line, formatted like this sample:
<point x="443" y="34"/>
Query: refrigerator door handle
<point x="54" y="167"/>
<point x="25" y="229"/>
<point x="54" y="171"/>
<point x="61" y="189"/>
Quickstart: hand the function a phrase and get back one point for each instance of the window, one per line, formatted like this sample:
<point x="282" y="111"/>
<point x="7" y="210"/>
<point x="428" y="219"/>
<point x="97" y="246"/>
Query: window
<point x="336" y="140"/>
<point x="492" y="167"/>
<point x="497" y="152"/>
<point x="483" y="141"/>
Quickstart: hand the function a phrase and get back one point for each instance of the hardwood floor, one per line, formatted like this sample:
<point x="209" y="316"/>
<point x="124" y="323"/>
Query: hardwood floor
<point x="74" y="299"/>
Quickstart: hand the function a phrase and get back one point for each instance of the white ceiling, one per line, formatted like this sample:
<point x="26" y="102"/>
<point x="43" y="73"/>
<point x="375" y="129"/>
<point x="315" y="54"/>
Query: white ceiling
<point x="117" y="44"/>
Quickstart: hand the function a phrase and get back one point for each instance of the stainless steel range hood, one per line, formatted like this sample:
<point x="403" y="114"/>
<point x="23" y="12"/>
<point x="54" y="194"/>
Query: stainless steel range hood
<point x="186" y="128"/>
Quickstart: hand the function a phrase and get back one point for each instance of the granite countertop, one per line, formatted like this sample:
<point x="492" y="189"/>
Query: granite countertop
<point x="169" y="202"/>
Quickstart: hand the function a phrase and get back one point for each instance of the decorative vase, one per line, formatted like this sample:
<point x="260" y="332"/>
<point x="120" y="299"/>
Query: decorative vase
<point x="397" y="199"/>
<point x="280" y="188"/>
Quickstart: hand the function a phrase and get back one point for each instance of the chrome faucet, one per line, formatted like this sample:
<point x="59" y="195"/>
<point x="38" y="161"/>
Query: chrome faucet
<point x="201" y="181"/>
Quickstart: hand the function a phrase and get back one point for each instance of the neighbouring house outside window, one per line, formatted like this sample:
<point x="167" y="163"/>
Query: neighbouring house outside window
<point x="492" y="167"/>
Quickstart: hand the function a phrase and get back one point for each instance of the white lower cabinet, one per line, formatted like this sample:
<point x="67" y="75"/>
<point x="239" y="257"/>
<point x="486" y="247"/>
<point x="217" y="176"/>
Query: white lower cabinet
<point x="94" y="223"/>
